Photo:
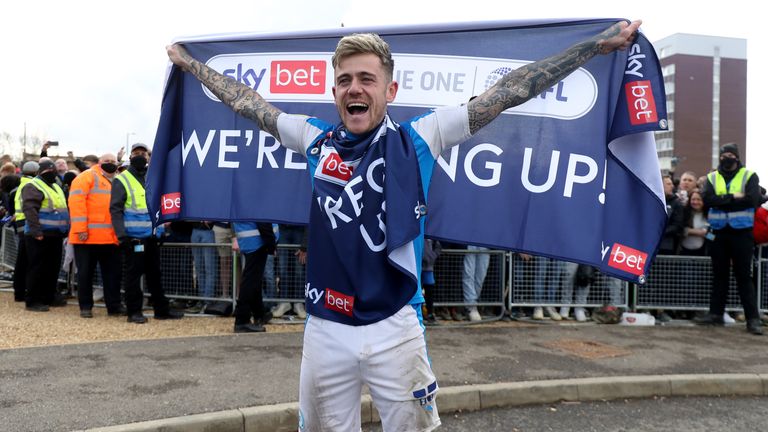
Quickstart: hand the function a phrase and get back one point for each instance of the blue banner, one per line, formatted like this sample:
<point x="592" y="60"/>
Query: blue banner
<point x="571" y="174"/>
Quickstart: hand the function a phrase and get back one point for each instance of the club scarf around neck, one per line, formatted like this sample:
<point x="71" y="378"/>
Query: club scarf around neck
<point x="364" y="221"/>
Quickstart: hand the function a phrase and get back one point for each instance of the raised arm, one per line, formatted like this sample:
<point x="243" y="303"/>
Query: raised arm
<point x="527" y="82"/>
<point x="241" y="98"/>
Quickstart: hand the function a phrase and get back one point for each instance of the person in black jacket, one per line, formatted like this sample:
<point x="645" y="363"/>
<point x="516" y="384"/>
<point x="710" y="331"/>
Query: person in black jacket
<point x="731" y="194"/>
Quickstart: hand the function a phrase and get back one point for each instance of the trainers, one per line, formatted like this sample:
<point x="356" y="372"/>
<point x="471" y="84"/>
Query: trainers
<point x="137" y="318"/>
<point x="754" y="326"/>
<point x="727" y="318"/>
<point x="444" y="314"/>
<point x="538" y="313"/>
<point x="580" y="314"/>
<point x="280" y="309"/>
<point x="709" y="319"/>
<point x="457" y="315"/>
<point x="195" y="308"/>
<point x="86" y="313"/>
<point x="430" y="320"/>
<point x="169" y="315"/>
<point x="474" y="315"/>
<point x="249" y="328"/>
<point x="564" y="311"/>
<point x="663" y="317"/>
<point x="98" y="294"/>
<point x="552" y="313"/>
<point x="113" y="313"/>
<point x="298" y="309"/>
<point x="265" y="319"/>
<point x="37" y="307"/>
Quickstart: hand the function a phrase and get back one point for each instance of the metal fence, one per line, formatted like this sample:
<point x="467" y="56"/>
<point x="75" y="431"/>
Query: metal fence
<point x="541" y="281"/>
<point x="674" y="282"/>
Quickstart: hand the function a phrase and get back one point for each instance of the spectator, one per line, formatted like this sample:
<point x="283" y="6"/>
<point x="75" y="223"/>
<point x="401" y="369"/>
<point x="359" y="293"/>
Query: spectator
<point x="670" y="241"/>
<point x="475" y="269"/>
<point x="732" y="193"/>
<point x="432" y="249"/>
<point x="206" y="263"/>
<point x="8" y="168"/>
<point x="47" y="222"/>
<point x="580" y="277"/>
<point x="290" y="269"/>
<point x="93" y="236"/>
<point x="222" y="234"/>
<point x="133" y="228"/>
<point x="29" y="171"/>
<point x="7" y="185"/>
<point x="61" y="168"/>
<point x="696" y="227"/>
<point x="255" y="241"/>
<point x="548" y="279"/>
<point x="686" y="186"/>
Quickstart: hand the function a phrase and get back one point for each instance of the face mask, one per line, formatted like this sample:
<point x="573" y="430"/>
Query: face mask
<point x="48" y="177"/>
<point x="109" y="167"/>
<point x="139" y="163"/>
<point x="728" y="164"/>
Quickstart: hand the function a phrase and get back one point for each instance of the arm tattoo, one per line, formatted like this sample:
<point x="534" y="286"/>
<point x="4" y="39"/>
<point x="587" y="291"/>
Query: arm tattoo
<point x="241" y="98"/>
<point x="530" y="80"/>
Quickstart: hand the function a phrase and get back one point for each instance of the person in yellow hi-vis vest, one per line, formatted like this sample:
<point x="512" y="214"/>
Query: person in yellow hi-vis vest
<point x="732" y="193"/>
<point x="133" y="227"/>
<point x="28" y="172"/>
<point x="47" y="223"/>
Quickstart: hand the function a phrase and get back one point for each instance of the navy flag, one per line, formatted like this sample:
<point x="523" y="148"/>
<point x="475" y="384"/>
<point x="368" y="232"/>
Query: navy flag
<point x="571" y="174"/>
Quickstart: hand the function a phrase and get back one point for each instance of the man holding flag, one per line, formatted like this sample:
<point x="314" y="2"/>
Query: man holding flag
<point x="370" y="179"/>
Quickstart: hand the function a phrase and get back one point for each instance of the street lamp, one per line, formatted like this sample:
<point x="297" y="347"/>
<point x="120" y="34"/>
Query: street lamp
<point x="127" y="138"/>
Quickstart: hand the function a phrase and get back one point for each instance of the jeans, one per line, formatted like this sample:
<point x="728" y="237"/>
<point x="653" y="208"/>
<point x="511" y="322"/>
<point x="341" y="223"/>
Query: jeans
<point x="547" y="270"/>
<point x="475" y="268"/>
<point x="291" y="271"/>
<point x="569" y="281"/>
<point x="206" y="262"/>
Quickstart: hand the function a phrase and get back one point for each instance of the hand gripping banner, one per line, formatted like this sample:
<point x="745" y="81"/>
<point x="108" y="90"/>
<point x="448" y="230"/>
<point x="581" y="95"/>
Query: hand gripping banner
<point x="571" y="174"/>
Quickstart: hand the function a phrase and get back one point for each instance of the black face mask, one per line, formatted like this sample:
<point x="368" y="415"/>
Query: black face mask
<point x="109" y="167"/>
<point x="728" y="164"/>
<point x="48" y="177"/>
<point x="139" y="163"/>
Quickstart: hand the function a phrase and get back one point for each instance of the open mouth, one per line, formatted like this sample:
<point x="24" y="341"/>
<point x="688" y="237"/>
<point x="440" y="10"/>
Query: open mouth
<point x="357" y="108"/>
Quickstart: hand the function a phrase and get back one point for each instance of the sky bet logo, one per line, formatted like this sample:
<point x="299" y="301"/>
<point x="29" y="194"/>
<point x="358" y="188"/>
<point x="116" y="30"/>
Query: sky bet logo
<point x="627" y="259"/>
<point x="170" y="203"/>
<point x="297" y="77"/>
<point x="640" y="102"/>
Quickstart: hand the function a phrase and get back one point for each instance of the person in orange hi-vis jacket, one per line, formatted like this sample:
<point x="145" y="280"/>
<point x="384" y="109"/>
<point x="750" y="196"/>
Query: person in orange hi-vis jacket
<point x="93" y="236"/>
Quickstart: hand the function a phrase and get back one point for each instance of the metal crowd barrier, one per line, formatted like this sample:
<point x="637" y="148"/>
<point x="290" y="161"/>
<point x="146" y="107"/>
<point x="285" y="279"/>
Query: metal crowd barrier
<point x="674" y="282"/>
<point x="449" y="274"/>
<point x="541" y="281"/>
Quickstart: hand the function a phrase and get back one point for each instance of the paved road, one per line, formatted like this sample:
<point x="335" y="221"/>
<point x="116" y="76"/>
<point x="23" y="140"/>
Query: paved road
<point x="86" y="386"/>
<point x="661" y="414"/>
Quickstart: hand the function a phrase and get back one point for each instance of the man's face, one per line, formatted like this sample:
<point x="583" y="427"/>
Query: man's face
<point x="140" y="152"/>
<point x="687" y="182"/>
<point x="61" y="166"/>
<point x="669" y="187"/>
<point x="362" y="92"/>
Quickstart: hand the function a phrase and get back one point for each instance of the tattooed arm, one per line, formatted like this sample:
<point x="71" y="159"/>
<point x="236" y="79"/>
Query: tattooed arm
<point x="530" y="80"/>
<point x="241" y="98"/>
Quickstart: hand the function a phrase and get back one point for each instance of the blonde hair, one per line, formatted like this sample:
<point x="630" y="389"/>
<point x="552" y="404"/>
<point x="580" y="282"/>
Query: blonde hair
<point x="365" y="43"/>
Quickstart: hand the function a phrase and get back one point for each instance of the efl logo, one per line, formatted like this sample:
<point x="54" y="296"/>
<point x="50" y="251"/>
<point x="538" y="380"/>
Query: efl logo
<point x="627" y="259"/>
<point x="640" y="102"/>
<point x="335" y="167"/>
<point x="339" y="302"/>
<point x="171" y="203"/>
<point x="297" y="77"/>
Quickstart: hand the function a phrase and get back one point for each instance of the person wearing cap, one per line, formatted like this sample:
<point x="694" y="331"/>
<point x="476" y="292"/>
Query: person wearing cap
<point x="28" y="172"/>
<point x="731" y="194"/>
<point x="133" y="228"/>
<point x="47" y="223"/>
<point x="93" y="236"/>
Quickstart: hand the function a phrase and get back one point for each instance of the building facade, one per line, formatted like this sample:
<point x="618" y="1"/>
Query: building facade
<point x="705" y="80"/>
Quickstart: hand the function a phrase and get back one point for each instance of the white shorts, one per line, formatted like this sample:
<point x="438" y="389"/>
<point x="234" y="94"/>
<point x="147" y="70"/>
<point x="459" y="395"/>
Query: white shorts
<point x="390" y="356"/>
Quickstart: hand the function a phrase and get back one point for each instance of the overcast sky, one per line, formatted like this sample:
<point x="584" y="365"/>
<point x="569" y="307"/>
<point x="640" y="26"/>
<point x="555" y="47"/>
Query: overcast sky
<point x="90" y="73"/>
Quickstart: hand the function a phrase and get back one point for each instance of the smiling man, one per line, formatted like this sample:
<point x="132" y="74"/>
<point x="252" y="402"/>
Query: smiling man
<point x="370" y="177"/>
